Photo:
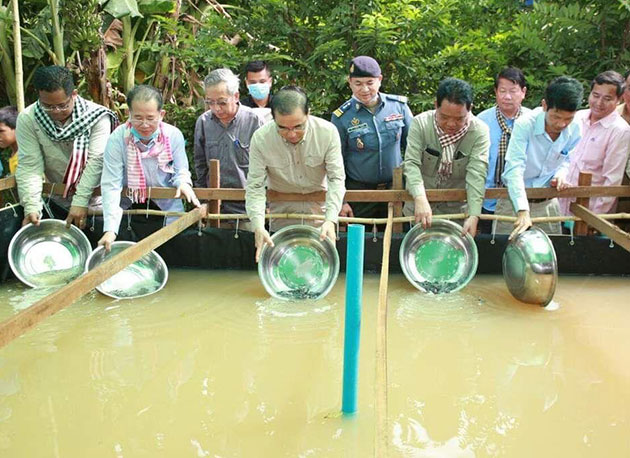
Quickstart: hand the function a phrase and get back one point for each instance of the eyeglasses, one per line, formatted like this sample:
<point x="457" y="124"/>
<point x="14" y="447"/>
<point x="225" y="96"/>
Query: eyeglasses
<point x="60" y="107"/>
<point x="219" y="103"/>
<point x="286" y="130"/>
<point x="141" y="122"/>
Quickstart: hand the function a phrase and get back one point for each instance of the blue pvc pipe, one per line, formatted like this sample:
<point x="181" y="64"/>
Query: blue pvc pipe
<point x="352" y="336"/>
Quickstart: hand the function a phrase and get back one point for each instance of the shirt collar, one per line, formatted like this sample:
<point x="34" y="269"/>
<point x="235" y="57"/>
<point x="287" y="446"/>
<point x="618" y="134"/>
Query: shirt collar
<point x="539" y="126"/>
<point x="606" y="121"/>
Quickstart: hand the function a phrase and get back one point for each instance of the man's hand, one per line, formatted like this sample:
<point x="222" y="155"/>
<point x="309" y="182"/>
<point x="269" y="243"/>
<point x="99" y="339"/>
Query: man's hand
<point x="107" y="239"/>
<point x="31" y="218"/>
<point x="560" y="183"/>
<point x="470" y="226"/>
<point x="328" y="230"/>
<point x="77" y="216"/>
<point x="187" y="191"/>
<point x="262" y="238"/>
<point x="422" y="211"/>
<point x="522" y="223"/>
<point x="346" y="211"/>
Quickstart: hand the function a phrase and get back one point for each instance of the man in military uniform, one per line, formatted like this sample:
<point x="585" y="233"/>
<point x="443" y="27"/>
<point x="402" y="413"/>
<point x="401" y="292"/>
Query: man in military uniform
<point x="373" y="128"/>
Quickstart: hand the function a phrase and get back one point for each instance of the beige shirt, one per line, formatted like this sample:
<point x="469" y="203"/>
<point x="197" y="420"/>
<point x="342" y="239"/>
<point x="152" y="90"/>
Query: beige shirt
<point x="39" y="155"/>
<point x="313" y="164"/>
<point x="470" y="163"/>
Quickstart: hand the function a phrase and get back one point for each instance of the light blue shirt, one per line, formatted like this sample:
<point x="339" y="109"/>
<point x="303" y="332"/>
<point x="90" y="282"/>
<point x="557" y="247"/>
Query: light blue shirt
<point x="114" y="176"/>
<point x="489" y="117"/>
<point x="533" y="159"/>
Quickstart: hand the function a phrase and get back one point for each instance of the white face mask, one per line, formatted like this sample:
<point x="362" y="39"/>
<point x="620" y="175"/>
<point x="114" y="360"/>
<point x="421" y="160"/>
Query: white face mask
<point x="259" y="91"/>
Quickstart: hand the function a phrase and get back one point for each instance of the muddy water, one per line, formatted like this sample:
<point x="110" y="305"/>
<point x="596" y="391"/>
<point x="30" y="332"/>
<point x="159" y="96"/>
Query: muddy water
<point x="212" y="367"/>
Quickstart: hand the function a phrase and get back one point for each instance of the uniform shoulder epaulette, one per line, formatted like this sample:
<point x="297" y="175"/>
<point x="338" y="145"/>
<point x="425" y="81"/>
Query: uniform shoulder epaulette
<point x="399" y="98"/>
<point x="342" y="109"/>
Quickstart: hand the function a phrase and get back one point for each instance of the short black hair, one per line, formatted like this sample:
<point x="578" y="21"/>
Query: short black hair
<point x="53" y="78"/>
<point x="564" y="93"/>
<point x="513" y="74"/>
<point x="8" y="116"/>
<point x="288" y="99"/>
<point x="145" y="93"/>
<point x="610" y="77"/>
<point x="256" y="66"/>
<point x="455" y="91"/>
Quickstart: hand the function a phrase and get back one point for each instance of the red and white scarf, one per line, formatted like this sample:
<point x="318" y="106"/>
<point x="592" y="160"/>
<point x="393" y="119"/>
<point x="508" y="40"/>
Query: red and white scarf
<point x="448" y="143"/>
<point x="161" y="149"/>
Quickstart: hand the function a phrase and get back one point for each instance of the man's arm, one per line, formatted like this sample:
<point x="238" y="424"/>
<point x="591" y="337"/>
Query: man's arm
<point x="408" y="119"/>
<point x="201" y="161"/>
<point x="180" y="161"/>
<point x="615" y="160"/>
<point x="515" y="163"/>
<point x="476" y="172"/>
<point x="255" y="192"/>
<point x="336" y="178"/>
<point x="30" y="168"/>
<point x="112" y="180"/>
<point x="412" y="164"/>
<point x="91" y="175"/>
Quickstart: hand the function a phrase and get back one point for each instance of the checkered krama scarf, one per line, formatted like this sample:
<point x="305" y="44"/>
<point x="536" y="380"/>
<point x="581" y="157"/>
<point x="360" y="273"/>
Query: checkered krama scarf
<point x="506" y="133"/>
<point x="448" y="143"/>
<point x="161" y="149"/>
<point x="79" y="130"/>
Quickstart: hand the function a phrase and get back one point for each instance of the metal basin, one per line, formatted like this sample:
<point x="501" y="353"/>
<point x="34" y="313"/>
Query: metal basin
<point x="530" y="268"/>
<point x="48" y="254"/>
<point x="146" y="276"/>
<point x="299" y="266"/>
<point x="438" y="259"/>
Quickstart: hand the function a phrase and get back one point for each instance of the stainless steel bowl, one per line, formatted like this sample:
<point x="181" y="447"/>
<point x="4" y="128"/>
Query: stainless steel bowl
<point x="530" y="268"/>
<point x="438" y="259"/>
<point x="299" y="265"/>
<point x="146" y="276"/>
<point x="48" y="254"/>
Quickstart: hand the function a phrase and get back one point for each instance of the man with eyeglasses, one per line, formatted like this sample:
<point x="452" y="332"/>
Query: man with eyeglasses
<point x="61" y="136"/>
<point x="142" y="153"/>
<point x="447" y="148"/>
<point x="373" y="128"/>
<point x="224" y="132"/>
<point x="296" y="153"/>
<point x="510" y="88"/>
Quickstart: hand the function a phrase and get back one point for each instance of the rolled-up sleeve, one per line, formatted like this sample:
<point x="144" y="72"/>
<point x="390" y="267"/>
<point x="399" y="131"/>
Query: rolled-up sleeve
<point x="91" y="175"/>
<point x="336" y="177"/>
<point x="476" y="171"/>
<point x="255" y="192"/>
<point x="413" y="159"/>
<point x="30" y="170"/>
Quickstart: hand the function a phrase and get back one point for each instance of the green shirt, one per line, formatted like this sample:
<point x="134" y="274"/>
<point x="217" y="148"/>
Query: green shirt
<point x="314" y="164"/>
<point x="39" y="155"/>
<point x="470" y="163"/>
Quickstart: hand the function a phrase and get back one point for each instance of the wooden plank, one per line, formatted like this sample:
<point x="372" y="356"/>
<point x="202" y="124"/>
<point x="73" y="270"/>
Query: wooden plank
<point x="584" y="179"/>
<point x="620" y="237"/>
<point x="386" y="195"/>
<point x="397" y="183"/>
<point x="380" y="385"/>
<point x="63" y="297"/>
<point x="214" y="181"/>
<point x="7" y="183"/>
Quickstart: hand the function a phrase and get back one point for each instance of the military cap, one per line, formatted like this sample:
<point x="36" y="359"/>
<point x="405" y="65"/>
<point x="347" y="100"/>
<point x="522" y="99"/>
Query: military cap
<point x="363" y="66"/>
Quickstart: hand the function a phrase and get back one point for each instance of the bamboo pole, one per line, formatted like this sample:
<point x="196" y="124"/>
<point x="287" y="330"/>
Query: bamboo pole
<point x="63" y="297"/>
<point x="380" y="384"/>
<point x="17" y="56"/>
<point x="620" y="237"/>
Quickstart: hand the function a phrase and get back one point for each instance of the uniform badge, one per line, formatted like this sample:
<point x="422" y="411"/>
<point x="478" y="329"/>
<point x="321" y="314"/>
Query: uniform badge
<point x="360" y="144"/>
<point x="394" y="117"/>
<point x="355" y="121"/>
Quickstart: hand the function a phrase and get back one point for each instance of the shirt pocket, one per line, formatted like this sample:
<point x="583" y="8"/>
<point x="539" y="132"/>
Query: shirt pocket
<point x="314" y="169"/>
<point x="391" y="132"/>
<point x="241" y="152"/>
<point x="274" y="161"/>
<point x="430" y="164"/>
<point x="363" y="140"/>
<point x="459" y="165"/>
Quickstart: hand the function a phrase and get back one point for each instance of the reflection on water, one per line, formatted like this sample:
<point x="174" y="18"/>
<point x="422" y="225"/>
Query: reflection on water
<point x="211" y="366"/>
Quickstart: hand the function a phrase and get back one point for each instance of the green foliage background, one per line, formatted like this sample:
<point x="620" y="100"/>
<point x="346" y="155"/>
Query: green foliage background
<point x="172" y="44"/>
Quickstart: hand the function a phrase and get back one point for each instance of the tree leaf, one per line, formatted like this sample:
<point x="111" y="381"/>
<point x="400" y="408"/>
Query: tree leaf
<point x="120" y="8"/>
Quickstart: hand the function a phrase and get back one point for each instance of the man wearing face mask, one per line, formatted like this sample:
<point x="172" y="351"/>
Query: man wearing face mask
<point x="258" y="81"/>
<point x="61" y="136"/>
<point x="144" y="152"/>
<point x="373" y="128"/>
